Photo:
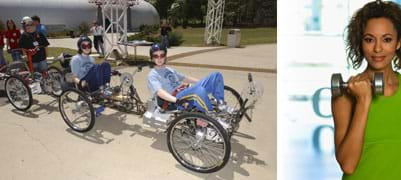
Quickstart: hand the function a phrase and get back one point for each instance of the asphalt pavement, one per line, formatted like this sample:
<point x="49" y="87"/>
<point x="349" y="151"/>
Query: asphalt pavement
<point x="37" y="144"/>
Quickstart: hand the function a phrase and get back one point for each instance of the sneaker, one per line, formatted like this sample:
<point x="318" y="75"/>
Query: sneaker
<point x="223" y="107"/>
<point x="35" y="88"/>
<point x="108" y="92"/>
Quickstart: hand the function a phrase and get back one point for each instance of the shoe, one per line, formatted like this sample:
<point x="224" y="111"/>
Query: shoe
<point x="223" y="107"/>
<point x="106" y="90"/>
<point x="35" y="88"/>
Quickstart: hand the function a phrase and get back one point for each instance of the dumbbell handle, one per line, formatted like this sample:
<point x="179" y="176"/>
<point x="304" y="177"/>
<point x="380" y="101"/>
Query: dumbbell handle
<point x="345" y="84"/>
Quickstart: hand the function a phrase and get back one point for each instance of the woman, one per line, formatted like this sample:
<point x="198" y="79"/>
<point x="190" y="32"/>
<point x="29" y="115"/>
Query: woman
<point x="2" y="60"/>
<point x="367" y="128"/>
<point x="12" y="37"/>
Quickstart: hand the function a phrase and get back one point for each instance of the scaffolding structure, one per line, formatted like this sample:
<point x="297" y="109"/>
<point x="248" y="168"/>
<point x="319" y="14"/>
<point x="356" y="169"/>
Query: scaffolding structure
<point x="214" y="21"/>
<point x="115" y="30"/>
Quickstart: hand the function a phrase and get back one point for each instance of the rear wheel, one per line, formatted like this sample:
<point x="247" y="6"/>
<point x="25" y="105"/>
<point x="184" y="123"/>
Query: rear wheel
<point x="77" y="110"/>
<point x="198" y="142"/>
<point x="18" y="93"/>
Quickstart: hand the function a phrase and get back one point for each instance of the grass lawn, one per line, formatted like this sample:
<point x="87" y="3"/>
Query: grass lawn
<point x="52" y="52"/>
<point x="195" y="36"/>
<point x="56" y="51"/>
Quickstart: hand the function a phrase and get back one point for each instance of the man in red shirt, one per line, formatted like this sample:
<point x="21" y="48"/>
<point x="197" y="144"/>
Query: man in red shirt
<point x="12" y="35"/>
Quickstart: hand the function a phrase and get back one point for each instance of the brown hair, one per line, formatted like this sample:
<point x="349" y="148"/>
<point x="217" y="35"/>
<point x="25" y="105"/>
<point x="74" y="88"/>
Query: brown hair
<point x="357" y="25"/>
<point x="10" y="20"/>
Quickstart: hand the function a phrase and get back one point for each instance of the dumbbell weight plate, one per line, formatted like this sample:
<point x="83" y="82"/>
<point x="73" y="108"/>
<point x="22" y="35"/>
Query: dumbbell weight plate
<point x="336" y="81"/>
<point x="378" y="83"/>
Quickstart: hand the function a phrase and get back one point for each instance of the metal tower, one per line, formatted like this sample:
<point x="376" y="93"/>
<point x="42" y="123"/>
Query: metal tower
<point x="115" y="11"/>
<point x="214" y="21"/>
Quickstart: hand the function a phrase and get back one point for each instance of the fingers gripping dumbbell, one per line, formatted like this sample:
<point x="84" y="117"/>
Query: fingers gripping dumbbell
<point x="338" y="86"/>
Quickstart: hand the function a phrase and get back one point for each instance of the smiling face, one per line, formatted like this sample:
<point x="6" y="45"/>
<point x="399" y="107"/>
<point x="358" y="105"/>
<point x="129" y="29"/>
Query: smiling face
<point x="159" y="57"/>
<point x="380" y="43"/>
<point x="30" y="28"/>
<point x="86" y="47"/>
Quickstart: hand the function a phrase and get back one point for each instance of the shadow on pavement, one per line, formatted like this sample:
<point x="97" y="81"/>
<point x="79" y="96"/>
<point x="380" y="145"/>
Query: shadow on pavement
<point x="239" y="155"/>
<point x="36" y="109"/>
<point x="115" y="123"/>
<point x="3" y="98"/>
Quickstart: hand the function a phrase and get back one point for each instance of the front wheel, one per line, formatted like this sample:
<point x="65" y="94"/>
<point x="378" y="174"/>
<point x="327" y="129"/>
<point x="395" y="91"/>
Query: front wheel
<point x="56" y="78"/>
<point x="77" y="110"/>
<point x="18" y="93"/>
<point x="198" y="142"/>
<point x="232" y="97"/>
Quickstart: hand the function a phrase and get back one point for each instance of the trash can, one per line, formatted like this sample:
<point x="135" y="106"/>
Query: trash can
<point x="233" y="38"/>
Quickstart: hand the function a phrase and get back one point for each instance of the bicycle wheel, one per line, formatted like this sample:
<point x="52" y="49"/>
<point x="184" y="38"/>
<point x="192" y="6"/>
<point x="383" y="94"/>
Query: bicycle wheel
<point x="77" y="110"/>
<point x="18" y="93"/>
<point x="198" y="142"/>
<point x="56" y="78"/>
<point x="232" y="97"/>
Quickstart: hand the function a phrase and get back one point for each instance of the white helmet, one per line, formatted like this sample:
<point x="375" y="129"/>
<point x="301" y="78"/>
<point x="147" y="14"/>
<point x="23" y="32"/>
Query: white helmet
<point x="26" y="20"/>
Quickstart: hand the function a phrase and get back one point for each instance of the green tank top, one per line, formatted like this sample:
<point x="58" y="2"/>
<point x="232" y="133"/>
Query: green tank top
<point x="381" y="155"/>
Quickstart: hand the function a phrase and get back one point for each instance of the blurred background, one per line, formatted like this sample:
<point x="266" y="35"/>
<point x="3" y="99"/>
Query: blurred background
<point x="310" y="48"/>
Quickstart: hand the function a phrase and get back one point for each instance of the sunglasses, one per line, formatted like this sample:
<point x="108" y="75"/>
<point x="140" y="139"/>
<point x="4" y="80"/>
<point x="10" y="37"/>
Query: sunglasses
<point x="86" y="46"/>
<point x="155" y="56"/>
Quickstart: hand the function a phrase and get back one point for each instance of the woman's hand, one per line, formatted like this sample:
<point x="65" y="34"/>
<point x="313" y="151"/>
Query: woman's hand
<point x="360" y="87"/>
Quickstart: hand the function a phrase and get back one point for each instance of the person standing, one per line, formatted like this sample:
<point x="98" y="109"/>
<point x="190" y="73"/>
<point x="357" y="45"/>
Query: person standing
<point x="12" y="36"/>
<point x="39" y="27"/>
<point x="165" y="29"/>
<point x="2" y="60"/>
<point x="31" y="39"/>
<point x="97" y="32"/>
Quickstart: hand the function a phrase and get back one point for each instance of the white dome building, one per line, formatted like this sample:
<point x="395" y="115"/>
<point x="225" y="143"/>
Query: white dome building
<point x="68" y="14"/>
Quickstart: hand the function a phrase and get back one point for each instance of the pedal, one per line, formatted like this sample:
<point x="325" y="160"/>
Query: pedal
<point x="99" y="110"/>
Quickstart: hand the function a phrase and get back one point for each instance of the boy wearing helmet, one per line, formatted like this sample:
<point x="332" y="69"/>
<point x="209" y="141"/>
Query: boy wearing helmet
<point x="84" y="68"/>
<point x="31" y="39"/>
<point x="167" y="84"/>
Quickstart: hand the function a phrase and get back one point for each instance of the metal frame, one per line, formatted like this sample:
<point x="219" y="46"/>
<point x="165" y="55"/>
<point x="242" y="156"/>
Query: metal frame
<point x="214" y="21"/>
<point x="116" y="12"/>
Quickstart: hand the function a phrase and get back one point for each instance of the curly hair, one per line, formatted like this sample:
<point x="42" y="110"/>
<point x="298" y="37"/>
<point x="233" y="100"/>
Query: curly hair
<point x="357" y="25"/>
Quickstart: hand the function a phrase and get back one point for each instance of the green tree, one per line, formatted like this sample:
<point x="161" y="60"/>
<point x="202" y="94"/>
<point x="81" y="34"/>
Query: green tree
<point x="162" y="7"/>
<point x="184" y="11"/>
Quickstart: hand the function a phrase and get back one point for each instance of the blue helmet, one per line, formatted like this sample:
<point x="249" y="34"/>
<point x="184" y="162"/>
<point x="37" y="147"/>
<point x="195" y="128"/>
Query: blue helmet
<point x="157" y="47"/>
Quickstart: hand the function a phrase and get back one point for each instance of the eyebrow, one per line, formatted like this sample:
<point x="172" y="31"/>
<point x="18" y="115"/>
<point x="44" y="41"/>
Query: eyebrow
<point x="387" y="34"/>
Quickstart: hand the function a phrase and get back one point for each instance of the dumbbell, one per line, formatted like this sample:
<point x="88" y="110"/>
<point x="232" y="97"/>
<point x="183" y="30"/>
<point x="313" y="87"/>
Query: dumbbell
<point x="338" y="86"/>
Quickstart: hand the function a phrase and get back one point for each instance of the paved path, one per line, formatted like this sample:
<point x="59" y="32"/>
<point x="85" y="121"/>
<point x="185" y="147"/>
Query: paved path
<point x="39" y="145"/>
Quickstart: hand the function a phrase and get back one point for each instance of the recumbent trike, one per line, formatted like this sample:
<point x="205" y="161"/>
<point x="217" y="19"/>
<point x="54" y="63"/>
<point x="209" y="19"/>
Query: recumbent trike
<point x="198" y="141"/>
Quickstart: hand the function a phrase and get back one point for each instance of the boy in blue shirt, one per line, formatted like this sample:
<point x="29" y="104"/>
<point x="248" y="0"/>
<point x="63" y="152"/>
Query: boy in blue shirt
<point x="167" y="84"/>
<point x="84" y="68"/>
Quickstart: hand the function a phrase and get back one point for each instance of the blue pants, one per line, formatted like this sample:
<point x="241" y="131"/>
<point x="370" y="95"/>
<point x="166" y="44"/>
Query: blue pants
<point x="2" y="60"/>
<point x="98" y="75"/>
<point x="164" y="41"/>
<point x="199" y="93"/>
<point x="16" y="54"/>
<point x="40" y="66"/>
